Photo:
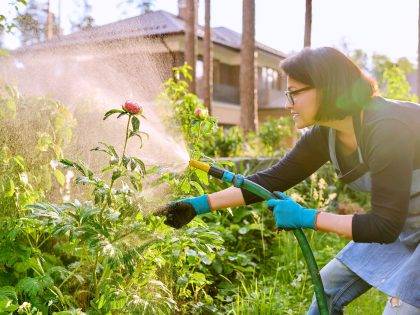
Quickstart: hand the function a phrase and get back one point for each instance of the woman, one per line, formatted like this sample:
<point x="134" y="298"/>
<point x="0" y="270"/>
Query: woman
<point x="374" y="144"/>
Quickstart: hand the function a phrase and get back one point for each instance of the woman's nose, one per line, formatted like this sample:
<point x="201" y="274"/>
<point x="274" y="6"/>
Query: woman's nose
<point x="288" y="105"/>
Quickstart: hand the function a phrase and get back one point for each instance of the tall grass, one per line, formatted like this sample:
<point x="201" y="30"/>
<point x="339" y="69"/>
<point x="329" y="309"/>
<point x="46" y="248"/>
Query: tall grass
<point x="285" y="286"/>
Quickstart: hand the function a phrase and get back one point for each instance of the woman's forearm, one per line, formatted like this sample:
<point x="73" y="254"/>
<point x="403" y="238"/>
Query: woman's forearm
<point x="326" y="222"/>
<point x="335" y="223"/>
<point x="230" y="197"/>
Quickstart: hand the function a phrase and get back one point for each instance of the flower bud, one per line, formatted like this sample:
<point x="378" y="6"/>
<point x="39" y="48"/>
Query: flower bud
<point x="132" y="107"/>
<point x="200" y="113"/>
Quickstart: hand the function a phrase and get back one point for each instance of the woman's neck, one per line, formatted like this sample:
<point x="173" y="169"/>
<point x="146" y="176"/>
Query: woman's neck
<point x="343" y="126"/>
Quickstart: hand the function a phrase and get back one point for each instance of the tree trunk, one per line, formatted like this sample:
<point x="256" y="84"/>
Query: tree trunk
<point x="308" y="24"/>
<point x="191" y="39"/>
<point x="418" y="57"/>
<point x="49" y="33"/>
<point x="248" y="75"/>
<point x="208" y="60"/>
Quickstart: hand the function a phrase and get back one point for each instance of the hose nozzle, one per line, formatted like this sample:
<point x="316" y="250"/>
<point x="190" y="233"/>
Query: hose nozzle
<point x="200" y="165"/>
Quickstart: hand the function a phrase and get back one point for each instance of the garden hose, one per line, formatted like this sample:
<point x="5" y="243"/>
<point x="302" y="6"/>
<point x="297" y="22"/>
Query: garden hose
<point x="240" y="182"/>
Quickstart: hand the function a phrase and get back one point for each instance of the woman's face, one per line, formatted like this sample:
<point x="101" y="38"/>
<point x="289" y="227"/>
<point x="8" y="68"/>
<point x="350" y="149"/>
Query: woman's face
<point x="305" y="104"/>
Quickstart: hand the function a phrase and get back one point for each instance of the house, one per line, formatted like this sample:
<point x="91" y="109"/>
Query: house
<point x="157" y="37"/>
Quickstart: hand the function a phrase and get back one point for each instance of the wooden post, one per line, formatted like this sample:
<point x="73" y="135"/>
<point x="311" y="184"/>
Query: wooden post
<point x="248" y="89"/>
<point x="208" y="59"/>
<point x="191" y="39"/>
<point x="308" y="24"/>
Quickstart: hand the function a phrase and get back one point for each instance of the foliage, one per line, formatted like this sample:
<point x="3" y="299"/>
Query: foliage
<point x="84" y="19"/>
<point x="275" y="135"/>
<point x="226" y="142"/>
<point x="32" y="23"/>
<point x="5" y="23"/>
<point x="396" y="85"/>
<point x="79" y="254"/>
<point x="27" y="158"/>
<point x="196" y="130"/>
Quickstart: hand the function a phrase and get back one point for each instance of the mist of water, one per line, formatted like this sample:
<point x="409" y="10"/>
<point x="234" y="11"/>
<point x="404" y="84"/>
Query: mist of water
<point x="94" y="78"/>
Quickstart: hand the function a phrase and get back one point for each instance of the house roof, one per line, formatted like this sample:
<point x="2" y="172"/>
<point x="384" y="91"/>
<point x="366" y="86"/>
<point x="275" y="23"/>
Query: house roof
<point x="152" y="23"/>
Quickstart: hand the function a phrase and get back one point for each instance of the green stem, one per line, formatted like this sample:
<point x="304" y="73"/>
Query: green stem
<point x="126" y="137"/>
<point x="95" y="278"/>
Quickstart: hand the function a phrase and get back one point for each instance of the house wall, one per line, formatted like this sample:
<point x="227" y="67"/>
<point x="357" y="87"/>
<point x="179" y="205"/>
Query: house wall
<point x="139" y="67"/>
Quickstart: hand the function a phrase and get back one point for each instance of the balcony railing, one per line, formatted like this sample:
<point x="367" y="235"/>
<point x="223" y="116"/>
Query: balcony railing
<point x="267" y="98"/>
<point x="226" y="93"/>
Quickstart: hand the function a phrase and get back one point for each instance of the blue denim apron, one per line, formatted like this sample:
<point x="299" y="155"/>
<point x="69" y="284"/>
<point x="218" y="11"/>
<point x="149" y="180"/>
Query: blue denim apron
<point x="391" y="268"/>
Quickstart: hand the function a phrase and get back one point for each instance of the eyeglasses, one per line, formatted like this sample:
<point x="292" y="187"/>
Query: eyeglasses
<point x="289" y="94"/>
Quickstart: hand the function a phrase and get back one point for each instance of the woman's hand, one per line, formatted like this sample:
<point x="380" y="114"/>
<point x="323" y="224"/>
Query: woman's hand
<point x="181" y="212"/>
<point x="288" y="214"/>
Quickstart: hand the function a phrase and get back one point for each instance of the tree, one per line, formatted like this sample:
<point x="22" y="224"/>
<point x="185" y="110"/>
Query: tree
<point x="143" y="5"/>
<point x="248" y="93"/>
<point x="308" y="24"/>
<point x="208" y="59"/>
<point x="32" y="23"/>
<point x="379" y="64"/>
<point x="405" y="65"/>
<point x="396" y="85"/>
<point x="418" y="56"/>
<point x="1" y="40"/>
<point x="360" y="57"/>
<point x="6" y="25"/>
<point x="85" y="20"/>
<point x="191" y="39"/>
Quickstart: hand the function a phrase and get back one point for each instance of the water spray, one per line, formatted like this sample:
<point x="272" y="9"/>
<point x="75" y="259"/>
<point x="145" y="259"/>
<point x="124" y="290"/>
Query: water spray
<point x="240" y="181"/>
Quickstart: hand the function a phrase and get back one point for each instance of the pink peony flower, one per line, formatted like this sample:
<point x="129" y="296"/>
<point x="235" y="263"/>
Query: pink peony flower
<point x="132" y="107"/>
<point x="200" y="113"/>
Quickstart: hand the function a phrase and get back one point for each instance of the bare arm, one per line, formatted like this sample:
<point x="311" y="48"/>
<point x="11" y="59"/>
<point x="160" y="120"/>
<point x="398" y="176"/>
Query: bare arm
<point x="335" y="223"/>
<point x="230" y="197"/>
<point x="326" y="222"/>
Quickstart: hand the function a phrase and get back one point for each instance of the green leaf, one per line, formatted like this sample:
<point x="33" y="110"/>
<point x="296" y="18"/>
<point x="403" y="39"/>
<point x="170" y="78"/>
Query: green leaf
<point x="7" y="305"/>
<point x="59" y="176"/>
<point x="135" y="123"/>
<point x="136" y="183"/>
<point x="67" y="163"/>
<point x="141" y="164"/>
<point x="185" y="187"/>
<point x="10" y="188"/>
<point x="116" y="174"/>
<point x="29" y="286"/>
<point x="113" y="111"/>
<point x="198" y="278"/>
<point x="110" y="148"/>
<point x="198" y="187"/>
<point x="102" y="301"/>
<point x="202" y="176"/>
<point x="44" y="142"/>
<point x="217" y="266"/>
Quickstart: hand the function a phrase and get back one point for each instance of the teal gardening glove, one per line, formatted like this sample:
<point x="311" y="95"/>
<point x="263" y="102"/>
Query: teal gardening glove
<point x="181" y="212"/>
<point x="288" y="214"/>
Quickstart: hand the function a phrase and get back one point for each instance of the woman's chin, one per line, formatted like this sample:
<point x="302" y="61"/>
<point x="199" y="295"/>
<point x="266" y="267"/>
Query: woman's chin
<point x="299" y="124"/>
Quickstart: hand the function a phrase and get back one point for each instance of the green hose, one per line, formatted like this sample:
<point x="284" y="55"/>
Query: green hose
<point x="304" y="246"/>
<point x="240" y="182"/>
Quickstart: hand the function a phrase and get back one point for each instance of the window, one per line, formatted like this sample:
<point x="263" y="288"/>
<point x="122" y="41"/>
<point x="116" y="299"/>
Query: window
<point x="199" y="69"/>
<point x="270" y="78"/>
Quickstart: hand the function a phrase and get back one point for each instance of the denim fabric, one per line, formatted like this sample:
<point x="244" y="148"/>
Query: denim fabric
<point x="341" y="286"/>
<point x="391" y="268"/>
<point x="400" y="309"/>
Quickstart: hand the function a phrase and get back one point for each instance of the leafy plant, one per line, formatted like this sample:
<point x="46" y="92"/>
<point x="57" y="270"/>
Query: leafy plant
<point x="396" y="85"/>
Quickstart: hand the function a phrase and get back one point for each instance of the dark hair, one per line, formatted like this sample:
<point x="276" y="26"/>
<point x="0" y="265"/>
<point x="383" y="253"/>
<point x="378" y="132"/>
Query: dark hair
<point x="342" y="88"/>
